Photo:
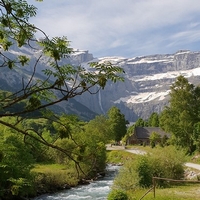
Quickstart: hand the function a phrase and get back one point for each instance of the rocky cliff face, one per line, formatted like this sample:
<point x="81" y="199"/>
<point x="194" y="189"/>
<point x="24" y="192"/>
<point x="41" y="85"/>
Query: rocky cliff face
<point x="145" y="89"/>
<point x="147" y="83"/>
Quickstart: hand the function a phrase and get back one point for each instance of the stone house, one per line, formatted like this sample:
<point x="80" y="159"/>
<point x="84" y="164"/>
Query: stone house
<point x="141" y="135"/>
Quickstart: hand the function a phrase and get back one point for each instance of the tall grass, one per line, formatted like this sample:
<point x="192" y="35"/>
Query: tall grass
<point x="119" y="156"/>
<point x="51" y="177"/>
<point x="184" y="192"/>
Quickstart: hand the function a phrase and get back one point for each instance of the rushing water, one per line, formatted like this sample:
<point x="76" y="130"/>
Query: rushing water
<point x="97" y="190"/>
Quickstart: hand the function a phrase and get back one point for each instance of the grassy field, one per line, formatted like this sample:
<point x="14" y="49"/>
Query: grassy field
<point x="54" y="175"/>
<point x="119" y="156"/>
<point x="186" y="192"/>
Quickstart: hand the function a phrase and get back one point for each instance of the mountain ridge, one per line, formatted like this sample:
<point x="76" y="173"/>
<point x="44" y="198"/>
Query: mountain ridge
<point x="147" y="82"/>
<point x="145" y="89"/>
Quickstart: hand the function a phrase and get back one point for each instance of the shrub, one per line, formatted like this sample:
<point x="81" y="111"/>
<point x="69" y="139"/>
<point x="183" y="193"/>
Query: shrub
<point x="165" y="162"/>
<point x="144" y="170"/>
<point x="154" y="139"/>
<point x="127" y="178"/>
<point x="171" y="161"/>
<point x="117" y="195"/>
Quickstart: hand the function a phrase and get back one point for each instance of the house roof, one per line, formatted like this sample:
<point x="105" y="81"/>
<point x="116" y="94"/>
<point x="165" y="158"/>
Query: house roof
<point x="145" y="132"/>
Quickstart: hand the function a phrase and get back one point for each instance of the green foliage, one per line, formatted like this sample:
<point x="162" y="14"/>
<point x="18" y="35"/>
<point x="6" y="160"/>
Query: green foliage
<point x="153" y="120"/>
<point x="141" y="123"/>
<point x="16" y="154"/>
<point x="144" y="170"/>
<point x="85" y="144"/>
<point x="164" y="141"/>
<point x="176" y="192"/>
<point x="14" y="18"/>
<point x="60" y="157"/>
<point x="154" y="139"/>
<point x="180" y="117"/>
<point x="56" y="48"/>
<point x="21" y="187"/>
<point x="99" y="127"/>
<point x="196" y="136"/>
<point x="93" y="158"/>
<point x="130" y="130"/>
<point x="119" y="157"/>
<point x="117" y="123"/>
<point x="117" y="195"/>
<point x="15" y="165"/>
<point x="164" y="162"/>
<point x="127" y="179"/>
<point x="51" y="177"/>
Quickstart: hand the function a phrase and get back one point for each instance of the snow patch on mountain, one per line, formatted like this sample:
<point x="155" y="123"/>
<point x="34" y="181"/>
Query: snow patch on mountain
<point x="144" y="97"/>
<point x="136" y="60"/>
<point x="148" y="61"/>
<point x="170" y="75"/>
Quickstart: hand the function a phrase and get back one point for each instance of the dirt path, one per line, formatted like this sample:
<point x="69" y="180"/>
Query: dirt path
<point x="193" y="165"/>
<point x="136" y="151"/>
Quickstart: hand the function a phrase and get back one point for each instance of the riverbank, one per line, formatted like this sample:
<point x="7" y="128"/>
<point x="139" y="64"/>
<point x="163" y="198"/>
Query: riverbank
<point x="97" y="189"/>
<point x="53" y="178"/>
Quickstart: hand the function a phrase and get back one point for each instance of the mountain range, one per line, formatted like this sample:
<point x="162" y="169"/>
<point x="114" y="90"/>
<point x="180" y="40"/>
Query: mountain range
<point x="147" y="83"/>
<point x="145" y="89"/>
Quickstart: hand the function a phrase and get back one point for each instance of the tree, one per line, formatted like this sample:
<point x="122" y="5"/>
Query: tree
<point x="140" y="123"/>
<point x="182" y="113"/>
<point x="15" y="164"/>
<point x="196" y="136"/>
<point x="99" y="128"/>
<point x="117" y="123"/>
<point x="85" y="144"/>
<point x="153" y="120"/>
<point x="154" y="139"/>
<point x="61" y="81"/>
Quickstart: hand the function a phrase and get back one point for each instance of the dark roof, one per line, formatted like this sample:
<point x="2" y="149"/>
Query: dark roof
<point x="145" y="132"/>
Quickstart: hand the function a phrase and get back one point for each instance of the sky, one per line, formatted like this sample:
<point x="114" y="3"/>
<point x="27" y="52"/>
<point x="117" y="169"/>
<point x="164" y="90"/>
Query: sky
<point x="126" y="28"/>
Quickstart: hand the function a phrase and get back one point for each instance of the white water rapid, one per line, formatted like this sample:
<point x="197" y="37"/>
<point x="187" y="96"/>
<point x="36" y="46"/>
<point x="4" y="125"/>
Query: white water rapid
<point x="97" y="190"/>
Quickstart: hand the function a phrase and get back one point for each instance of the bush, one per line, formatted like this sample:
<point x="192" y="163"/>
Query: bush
<point x="165" y="162"/>
<point x="144" y="170"/>
<point x="117" y="195"/>
<point x="127" y="178"/>
<point x="171" y="161"/>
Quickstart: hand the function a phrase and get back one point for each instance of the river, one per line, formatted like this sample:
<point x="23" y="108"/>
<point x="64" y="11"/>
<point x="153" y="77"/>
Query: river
<point x="96" y="190"/>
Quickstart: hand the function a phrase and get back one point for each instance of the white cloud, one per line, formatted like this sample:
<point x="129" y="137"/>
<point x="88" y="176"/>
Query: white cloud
<point x="128" y="27"/>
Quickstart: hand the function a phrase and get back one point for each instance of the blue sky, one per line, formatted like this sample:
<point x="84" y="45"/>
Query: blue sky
<point x="126" y="28"/>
